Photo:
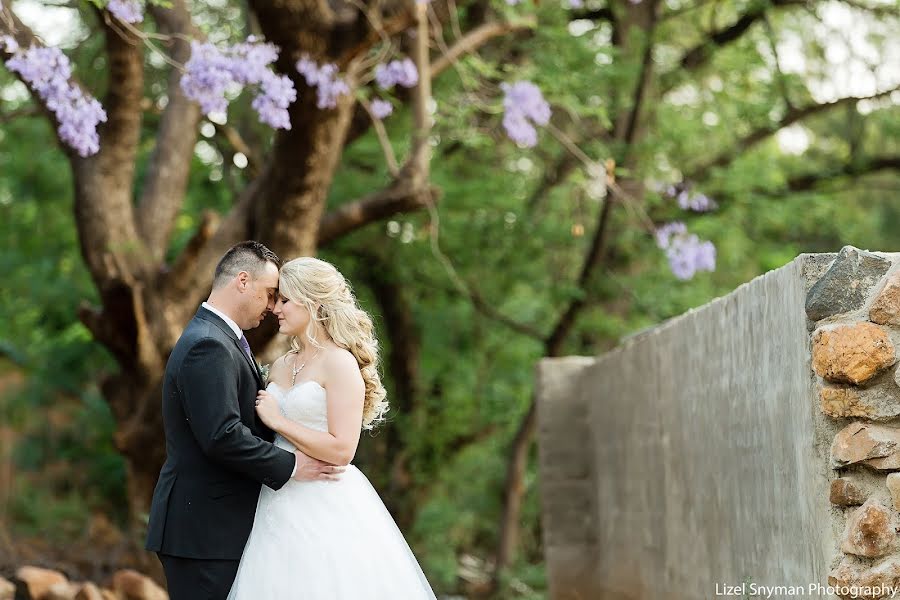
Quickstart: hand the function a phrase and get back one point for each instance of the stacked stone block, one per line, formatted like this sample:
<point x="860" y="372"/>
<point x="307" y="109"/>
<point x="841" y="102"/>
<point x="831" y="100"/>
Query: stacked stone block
<point x="854" y="317"/>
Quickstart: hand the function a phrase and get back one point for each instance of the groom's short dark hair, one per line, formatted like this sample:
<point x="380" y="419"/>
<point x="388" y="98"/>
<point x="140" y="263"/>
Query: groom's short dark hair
<point x="247" y="256"/>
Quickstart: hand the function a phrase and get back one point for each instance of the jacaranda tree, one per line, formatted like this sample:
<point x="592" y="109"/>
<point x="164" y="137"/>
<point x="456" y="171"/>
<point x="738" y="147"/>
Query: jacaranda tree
<point x="640" y="106"/>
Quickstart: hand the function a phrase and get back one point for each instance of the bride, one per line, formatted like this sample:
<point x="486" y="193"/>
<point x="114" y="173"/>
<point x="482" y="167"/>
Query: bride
<point x="327" y="540"/>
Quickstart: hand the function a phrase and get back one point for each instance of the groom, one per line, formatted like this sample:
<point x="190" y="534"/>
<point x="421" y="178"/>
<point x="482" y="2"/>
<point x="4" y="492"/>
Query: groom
<point x="218" y="451"/>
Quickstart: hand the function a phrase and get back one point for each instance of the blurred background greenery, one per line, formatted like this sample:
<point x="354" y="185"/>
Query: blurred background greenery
<point x="514" y="226"/>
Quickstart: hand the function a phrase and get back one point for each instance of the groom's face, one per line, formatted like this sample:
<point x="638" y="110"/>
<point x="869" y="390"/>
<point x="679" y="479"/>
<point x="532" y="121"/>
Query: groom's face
<point x="260" y="296"/>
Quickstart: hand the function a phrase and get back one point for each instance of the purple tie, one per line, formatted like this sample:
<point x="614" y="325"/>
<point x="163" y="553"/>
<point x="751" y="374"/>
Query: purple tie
<point x="246" y="346"/>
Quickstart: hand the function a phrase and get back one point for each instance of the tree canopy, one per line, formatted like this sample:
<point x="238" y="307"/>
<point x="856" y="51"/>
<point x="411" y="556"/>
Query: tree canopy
<point x="548" y="179"/>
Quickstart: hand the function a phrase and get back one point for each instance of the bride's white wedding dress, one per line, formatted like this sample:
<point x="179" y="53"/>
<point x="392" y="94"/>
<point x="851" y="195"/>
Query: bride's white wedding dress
<point x="324" y="540"/>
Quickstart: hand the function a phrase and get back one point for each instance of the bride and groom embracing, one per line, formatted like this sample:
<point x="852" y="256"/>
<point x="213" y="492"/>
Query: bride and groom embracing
<point x="257" y="497"/>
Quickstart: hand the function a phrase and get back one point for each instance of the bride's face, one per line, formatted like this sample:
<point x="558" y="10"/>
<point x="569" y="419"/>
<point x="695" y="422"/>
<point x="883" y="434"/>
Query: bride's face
<point x="292" y="317"/>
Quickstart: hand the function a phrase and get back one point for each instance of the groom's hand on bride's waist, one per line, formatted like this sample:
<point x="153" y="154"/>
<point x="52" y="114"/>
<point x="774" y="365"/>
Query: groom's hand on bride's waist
<point x="313" y="469"/>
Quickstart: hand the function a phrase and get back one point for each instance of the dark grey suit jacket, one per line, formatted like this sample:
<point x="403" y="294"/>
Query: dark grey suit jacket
<point x="218" y="452"/>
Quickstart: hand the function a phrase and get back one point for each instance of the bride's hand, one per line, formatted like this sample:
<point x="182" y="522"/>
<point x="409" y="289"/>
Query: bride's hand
<point x="267" y="409"/>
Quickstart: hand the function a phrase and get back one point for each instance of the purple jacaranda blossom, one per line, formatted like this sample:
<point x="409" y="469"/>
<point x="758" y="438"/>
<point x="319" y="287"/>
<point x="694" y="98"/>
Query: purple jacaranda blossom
<point x="47" y="71"/>
<point x="687" y="199"/>
<point x="309" y="69"/>
<point x="686" y="253"/>
<point x="524" y="106"/>
<point x="381" y="108"/>
<point x="127" y="11"/>
<point x="276" y="94"/>
<point x="208" y="74"/>
<point x="576" y="4"/>
<point x="397" y="72"/>
<point x="696" y="202"/>
<point x="664" y="234"/>
<point x="211" y="72"/>
<point x="324" y="78"/>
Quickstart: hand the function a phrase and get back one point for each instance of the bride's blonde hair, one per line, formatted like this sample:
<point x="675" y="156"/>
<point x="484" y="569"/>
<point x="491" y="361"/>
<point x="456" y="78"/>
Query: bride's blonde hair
<point x="321" y="288"/>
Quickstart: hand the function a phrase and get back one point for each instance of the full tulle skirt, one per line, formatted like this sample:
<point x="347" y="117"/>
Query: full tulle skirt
<point x="327" y="540"/>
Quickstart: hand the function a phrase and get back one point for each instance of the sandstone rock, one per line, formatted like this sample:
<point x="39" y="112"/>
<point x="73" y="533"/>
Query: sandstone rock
<point x="62" y="590"/>
<point x="886" y="308"/>
<point x="37" y="582"/>
<point x="874" y="445"/>
<point x="893" y="486"/>
<point x="7" y="589"/>
<point x="89" y="591"/>
<point x="881" y="577"/>
<point x="851" y="353"/>
<point x="845" y="493"/>
<point x="842" y="402"/>
<point x="131" y="585"/>
<point x="881" y="402"/>
<point x="845" y="286"/>
<point x="870" y="531"/>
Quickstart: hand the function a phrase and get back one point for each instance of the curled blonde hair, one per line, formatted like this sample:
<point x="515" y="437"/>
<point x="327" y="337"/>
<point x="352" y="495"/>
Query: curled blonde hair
<point x="321" y="288"/>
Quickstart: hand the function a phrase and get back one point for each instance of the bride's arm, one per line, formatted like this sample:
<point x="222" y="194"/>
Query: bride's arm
<point x="345" y="397"/>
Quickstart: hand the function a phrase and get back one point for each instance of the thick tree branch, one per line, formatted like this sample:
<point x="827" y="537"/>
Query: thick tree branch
<point x="394" y="25"/>
<point x="20" y="113"/>
<point x="640" y="92"/>
<point x="792" y="116"/>
<point x="599" y="14"/>
<point x="402" y="362"/>
<point x="400" y="197"/>
<point x="282" y="207"/>
<point x="191" y="275"/>
<point x="477" y="38"/>
<point x="178" y="278"/>
<point x="698" y="56"/>
<point x="103" y="203"/>
<point x="167" y="173"/>
<point x="417" y="166"/>
<point x="410" y="191"/>
<point x="120" y="135"/>
<point x="810" y="181"/>
<point x="554" y="342"/>
<point x="104" y="209"/>
<point x="490" y="311"/>
<point x="883" y="10"/>
<point x="781" y="77"/>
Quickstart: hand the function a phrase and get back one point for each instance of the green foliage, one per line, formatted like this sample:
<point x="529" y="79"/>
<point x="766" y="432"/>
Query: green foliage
<point x="520" y="249"/>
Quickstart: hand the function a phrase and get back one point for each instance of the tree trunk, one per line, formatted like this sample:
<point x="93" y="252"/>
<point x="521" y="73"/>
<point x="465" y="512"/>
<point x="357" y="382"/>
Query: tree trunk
<point x="402" y="363"/>
<point x="145" y="302"/>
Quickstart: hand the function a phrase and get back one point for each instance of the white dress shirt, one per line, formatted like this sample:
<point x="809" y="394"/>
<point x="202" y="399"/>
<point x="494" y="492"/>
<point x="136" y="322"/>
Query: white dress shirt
<point x="239" y="333"/>
<point x="234" y="326"/>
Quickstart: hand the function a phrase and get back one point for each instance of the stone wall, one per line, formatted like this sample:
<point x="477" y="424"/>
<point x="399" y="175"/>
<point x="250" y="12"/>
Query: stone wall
<point x="748" y="445"/>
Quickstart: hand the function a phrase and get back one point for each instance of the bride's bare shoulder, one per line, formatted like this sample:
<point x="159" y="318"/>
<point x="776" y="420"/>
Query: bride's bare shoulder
<point x="339" y="361"/>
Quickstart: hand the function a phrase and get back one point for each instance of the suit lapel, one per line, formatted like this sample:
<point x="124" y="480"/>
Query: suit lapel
<point x="214" y="318"/>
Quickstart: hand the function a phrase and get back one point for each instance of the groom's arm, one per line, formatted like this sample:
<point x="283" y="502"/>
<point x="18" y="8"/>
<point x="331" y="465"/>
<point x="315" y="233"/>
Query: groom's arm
<point x="210" y="400"/>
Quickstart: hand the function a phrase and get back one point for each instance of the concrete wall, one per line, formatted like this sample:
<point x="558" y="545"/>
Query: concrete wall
<point x="696" y="455"/>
